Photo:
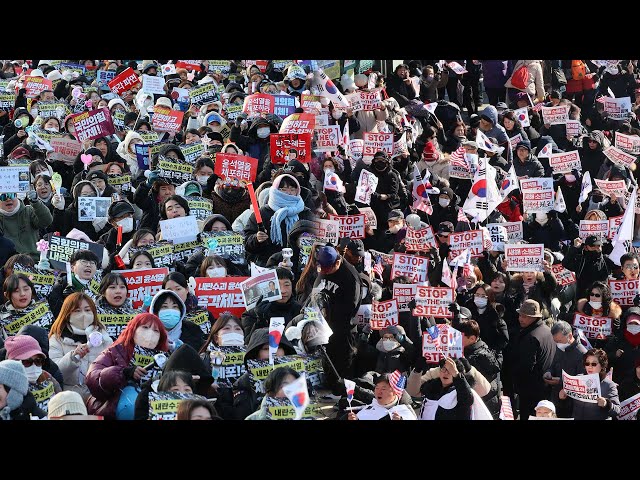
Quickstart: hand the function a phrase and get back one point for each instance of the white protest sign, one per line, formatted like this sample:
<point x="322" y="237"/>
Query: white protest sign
<point x="180" y="229"/>
<point x="619" y="157"/>
<point x="420" y="240"/>
<point x="356" y="147"/>
<point x="415" y="268"/>
<point x="384" y="314"/>
<point x="365" y="100"/>
<point x="457" y="68"/>
<point x="563" y="275"/>
<point x="564" y="162"/>
<point x="599" y="228"/>
<point x="374" y="142"/>
<point x="628" y="143"/>
<point x="91" y="208"/>
<point x="367" y="184"/>
<point x="265" y="285"/>
<point x="515" y="231"/>
<point x="522" y="114"/>
<point x="447" y="342"/>
<point x="614" y="225"/>
<point x="617" y="108"/>
<point x="327" y="138"/>
<point x="629" y="408"/>
<point x="363" y="316"/>
<point x="594" y="327"/>
<point x="555" y="115"/>
<point x="153" y="84"/>
<point x="524" y="257"/>
<point x="328" y="230"/>
<point x="513" y="141"/>
<point x="499" y="236"/>
<point x="404" y="293"/>
<point x="537" y="194"/>
<point x="433" y="302"/>
<point x="623" y="291"/>
<point x="14" y="179"/>
<point x="371" y="220"/>
<point x="350" y="226"/>
<point x="573" y="128"/>
<point x="615" y="187"/>
<point x="584" y="388"/>
<point x="460" y="241"/>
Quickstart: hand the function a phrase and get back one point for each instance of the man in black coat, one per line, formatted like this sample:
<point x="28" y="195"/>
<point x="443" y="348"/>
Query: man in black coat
<point x="587" y="262"/>
<point x="532" y="356"/>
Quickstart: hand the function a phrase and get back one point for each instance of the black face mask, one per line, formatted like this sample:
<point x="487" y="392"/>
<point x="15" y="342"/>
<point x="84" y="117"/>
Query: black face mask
<point x="380" y="166"/>
<point x="597" y="199"/>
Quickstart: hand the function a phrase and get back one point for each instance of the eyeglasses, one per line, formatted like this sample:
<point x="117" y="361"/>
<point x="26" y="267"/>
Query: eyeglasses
<point x="626" y="267"/>
<point x="86" y="263"/>
<point x="39" y="361"/>
<point x="592" y="364"/>
<point x="7" y="196"/>
<point x="481" y="296"/>
<point x="595" y="294"/>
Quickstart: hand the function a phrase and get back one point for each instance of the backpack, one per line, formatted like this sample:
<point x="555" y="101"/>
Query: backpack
<point x="578" y="70"/>
<point x="520" y="78"/>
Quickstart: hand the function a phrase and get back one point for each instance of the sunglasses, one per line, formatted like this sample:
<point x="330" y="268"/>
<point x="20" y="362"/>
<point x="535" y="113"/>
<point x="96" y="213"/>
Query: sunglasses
<point x="39" y="361"/>
<point x="595" y="294"/>
<point x="7" y="196"/>
<point x="592" y="364"/>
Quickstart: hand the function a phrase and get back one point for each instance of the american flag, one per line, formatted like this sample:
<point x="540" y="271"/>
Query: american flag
<point x="538" y="106"/>
<point x="601" y="99"/>
<point x="457" y="158"/>
<point x="378" y="267"/>
<point x="398" y="381"/>
<point x="462" y="217"/>
<point x="506" y="412"/>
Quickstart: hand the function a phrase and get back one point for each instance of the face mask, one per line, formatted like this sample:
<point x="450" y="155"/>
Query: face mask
<point x="570" y="178"/>
<point x="328" y="171"/>
<point x="263" y="132"/>
<point x="51" y="129"/>
<point x="232" y="340"/>
<point x="169" y="317"/>
<point x="480" y="302"/>
<point x="595" y="305"/>
<point x="395" y="228"/>
<point x="81" y="320"/>
<point x="389" y="345"/>
<point x="33" y="373"/>
<point x="633" y="329"/>
<point x="146" y="338"/>
<point x="202" y="179"/>
<point x="126" y="224"/>
<point x="562" y="346"/>
<point x="380" y="166"/>
<point x="216" y="272"/>
<point x="336" y="115"/>
<point x="541" y="218"/>
<point x="444" y="202"/>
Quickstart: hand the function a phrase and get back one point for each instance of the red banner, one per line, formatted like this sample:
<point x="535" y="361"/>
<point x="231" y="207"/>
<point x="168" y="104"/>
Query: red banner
<point x="139" y="282"/>
<point x="220" y="295"/>
<point x="166" y="120"/>
<point x="258" y="103"/>
<point x="230" y="165"/>
<point x="36" y="85"/>
<point x="124" y="82"/>
<point x="290" y="146"/>
<point x="189" y="64"/>
<point x="94" y="124"/>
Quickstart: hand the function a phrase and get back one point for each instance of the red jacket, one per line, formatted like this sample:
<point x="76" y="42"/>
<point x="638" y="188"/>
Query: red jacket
<point x="105" y="380"/>
<point x="510" y="213"/>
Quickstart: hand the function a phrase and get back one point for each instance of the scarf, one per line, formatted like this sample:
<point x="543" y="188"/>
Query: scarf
<point x="479" y="410"/>
<point x="175" y="332"/>
<point x="13" y="212"/>
<point x="233" y="195"/>
<point x="286" y="207"/>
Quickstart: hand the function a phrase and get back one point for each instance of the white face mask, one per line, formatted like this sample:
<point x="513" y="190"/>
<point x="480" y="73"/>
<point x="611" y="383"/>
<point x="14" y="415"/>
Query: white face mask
<point x="633" y="329"/>
<point x="389" y="345"/>
<point x="33" y="373"/>
<point x="202" y="179"/>
<point x="232" y="340"/>
<point x="51" y="129"/>
<point x="336" y="114"/>
<point x="570" y="177"/>
<point x="444" y="202"/>
<point x="562" y="346"/>
<point x="395" y="229"/>
<point x="263" y="132"/>
<point x="480" y="302"/>
<point x="216" y="272"/>
<point x="146" y="338"/>
<point x="595" y="305"/>
<point x="541" y="218"/>
<point x="126" y="224"/>
<point x="81" y="320"/>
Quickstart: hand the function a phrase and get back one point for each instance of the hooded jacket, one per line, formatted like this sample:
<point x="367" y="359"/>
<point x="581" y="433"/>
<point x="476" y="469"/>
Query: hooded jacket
<point x="497" y="131"/>
<point x="11" y="139"/>
<point x="66" y="220"/>
<point x="592" y="160"/>
<point x="250" y="143"/>
<point x="191" y="334"/>
<point x="123" y="151"/>
<point x="23" y="227"/>
<point x="230" y="206"/>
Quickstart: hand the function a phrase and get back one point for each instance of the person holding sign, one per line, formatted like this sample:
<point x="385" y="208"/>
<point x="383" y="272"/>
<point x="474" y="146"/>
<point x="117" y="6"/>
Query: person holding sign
<point x="67" y="220"/>
<point x="608" y="403"/>
<point x="525" y="163"/>
<point x="20" y="294"/>
<point x="592" y="156"/>
<point x="545" y="228"/>
<point x="177" y="282"/>
<point x="84" y="265"/>
<point x="196" y="410"/>
<point x="256" y="142"/>
<point x="599" y="304"/>
<point x="588" y="262"/>
<point x="273" y="386"/>
<point x="386" y="197"/>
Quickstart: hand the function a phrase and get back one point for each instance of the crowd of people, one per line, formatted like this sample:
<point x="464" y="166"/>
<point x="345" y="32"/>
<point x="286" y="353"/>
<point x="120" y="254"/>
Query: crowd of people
<point x="188" y="240"/>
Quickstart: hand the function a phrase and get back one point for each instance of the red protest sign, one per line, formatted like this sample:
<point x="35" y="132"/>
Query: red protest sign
<point x="562" y="275"/>
<point x="230" y="165"/>
<point x="141" y="282"/>
<point x="299" y="123"/>
<point x="290" y="146"/>
<point x="221" y="295"/>
<point x="261" y="64"/>
<point x="258" y="103"/>
<point x="94" y="124"/>
<point x="166" y="120"/>
<point x="124" y="82"/>
<point x="433" y="302"/>
<point x="36" y="85"/>
<point x="189" y="64"/>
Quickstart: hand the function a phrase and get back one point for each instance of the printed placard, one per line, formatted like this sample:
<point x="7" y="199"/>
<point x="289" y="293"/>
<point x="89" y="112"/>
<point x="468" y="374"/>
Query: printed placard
<point x="259" y="370"/>
<point x="53" y="109"/>
<point x="14" y="179"/>
<point x="230" y="165"/>
<point x="584" y="388"/>
<point x="350" y="226"/>
<point x="537" y="194"/>
<point x="36" y="314"/>
<point x="614" y="225"/>
<point x="103" y="77"/>
<point x="447" y="343"/>
<point x="563" y="275"/>
<point x="36" y="85"/>
<point x="282" y="409"/>
<point x="228" y="245"/>
<point x="595" y="327"/>
<point x="599" y="228"/>
<point x="328" y="230"/>
<point x="367" y="184"/>
<point x="299" y="123"/>
<point x="164" y="405"/>
<point x="93" y="124"/>
<point x="628" y="143"/>
<point x="371" y="220"/>
<point x="404" y="293"/>
<point x="192" y="151"/>
<point x="203" y="95"/>
<point x="573" y="128"/>
<point x="7" y="101"/>
<point x="513" y="141"/>
<point x="356" y="148"/>
<point x="555" y="115"/>
<point x="265" y="285"/>
<point x="42" y="280"/>
<point x="125" y="81"/>
<point x="115" y="320"/>
<point x="290" y="146"/>
<point x="284" y="105"/>
<point x="143" y="282"/>
<point x="629" y="408"/>
<point x="420" y="240"/>
<point x="180" y="229"/>
<point x="153" y="85"/>
<point x="166" y="120"/>
<point x="61" y="249"/>
<point x="619" y="157"/>
<point x="173" y="171"/>
<point x="221" y="295"/>
<point x="374" y="142"/>
<point x="311" y="103"/>
<point x="471" y="239"/>
<point x="384" y="314"/>
<point x="433" y="301"/>
<point x="327" y="138"/>
<point x="623" y="291"/>
<point x="258" y="103"/>
<point x="499" y="236"/>
<point x="412" y="266"/>
<point x="91" y="208"/>
<point x="616" y="187"/>
<point x="564" y="162"/>
<point x="232" y="366"/>
<point x="617" y="108"/>
<point x="524" y="257"/>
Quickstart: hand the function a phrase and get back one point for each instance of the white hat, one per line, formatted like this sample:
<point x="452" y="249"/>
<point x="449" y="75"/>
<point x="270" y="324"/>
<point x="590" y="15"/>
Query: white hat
<point x="165" y="102"/>
<point x="54" y="75"/>
<point x="361" y="80"/>
<point x="66" y="403"/>
<point x="43" y="62"/>
<point x="546" y="404"/>
<point x="205" y="80"/>
<point x="37" y="73"/>
<point x="116" y="101"/>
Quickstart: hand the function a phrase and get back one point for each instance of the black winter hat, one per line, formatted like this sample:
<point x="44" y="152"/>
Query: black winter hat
<point x="120" y="208"/>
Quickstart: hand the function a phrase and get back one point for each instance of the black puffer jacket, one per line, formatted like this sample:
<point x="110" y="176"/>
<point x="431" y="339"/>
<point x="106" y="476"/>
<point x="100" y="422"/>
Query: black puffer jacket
<point x="592" y="159"/>
<point x="588" y="267"/>
<point x="531" y="167"/>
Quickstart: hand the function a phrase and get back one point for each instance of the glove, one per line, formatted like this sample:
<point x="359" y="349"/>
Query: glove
<point x="421" y="364"/>
<point x="57" y="201"/>
<point x="32" y="196"/>
<point x="262" y="308"/>
<point x="400" y="338"/>
<point x="467" y="365"/>
<point x="454" y="308"/>
<point x="152" y="177"/>
<point x="99" y="223"/>
<point x="211" y="182"/>
<point x="636" y="301"/>
<point x="128" y="372"/>
<point x="241" y="116"/>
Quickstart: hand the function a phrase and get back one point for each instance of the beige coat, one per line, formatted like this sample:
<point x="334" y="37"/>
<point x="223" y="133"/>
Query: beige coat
<point x="535" y="86"/>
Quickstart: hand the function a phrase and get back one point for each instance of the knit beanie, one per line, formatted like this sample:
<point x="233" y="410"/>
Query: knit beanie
<point x="13" y="375"/>
<point x="66" y="403"/>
